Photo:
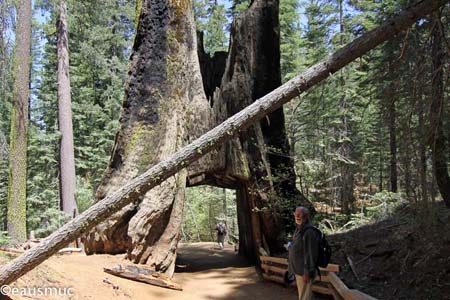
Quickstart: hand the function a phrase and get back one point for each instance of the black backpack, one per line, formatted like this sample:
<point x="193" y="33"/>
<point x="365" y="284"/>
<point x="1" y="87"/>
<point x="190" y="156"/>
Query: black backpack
<point x="221" y="229"/>
<point x="324" y="256"/>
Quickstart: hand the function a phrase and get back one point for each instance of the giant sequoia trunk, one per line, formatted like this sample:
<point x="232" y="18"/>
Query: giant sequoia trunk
<point x="158" y="118"/>
<point x="164" y="107"/>
<point x="259" y="158"/>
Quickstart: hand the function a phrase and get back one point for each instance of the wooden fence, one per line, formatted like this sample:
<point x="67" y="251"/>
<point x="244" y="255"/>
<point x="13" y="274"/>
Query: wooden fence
<point x="327" y="284"/>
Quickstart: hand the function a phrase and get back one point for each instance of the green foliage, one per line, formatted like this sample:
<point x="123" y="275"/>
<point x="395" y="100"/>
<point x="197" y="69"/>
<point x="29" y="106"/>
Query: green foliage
<point x="380" y="206"/>
<point x="383" y="204"/>
<point x="204" y="207"/>
<point x="85" y="197"/>
<point x="291" y="41"/>
<point x="100" y="34"/>
<point x="237" y="7"/>
<point x="211" y="20"/>
<point x="4" y="238"/>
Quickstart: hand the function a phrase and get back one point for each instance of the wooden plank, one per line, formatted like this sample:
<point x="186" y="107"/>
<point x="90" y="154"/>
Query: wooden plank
<point x="336" y="295"/>
<point x="323" y="277"/>
<point x="322" y="289"/>
<point x="331" y="268"/>
<point x="278" y="260"/>
<point x="284" y="261"/>
<point x="338" y="285"/>
<point x="345" y="292"/>
<point x="152" y="278"/>
<point x="275" y="269"/>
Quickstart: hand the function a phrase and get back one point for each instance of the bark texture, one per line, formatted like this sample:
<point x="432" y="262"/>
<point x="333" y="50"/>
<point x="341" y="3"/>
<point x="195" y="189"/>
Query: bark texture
<point x="19" y="123"/>
<point x="258" y="159"/>
<point x="163" y="102"/>
<point x="137" y="188"/>
<point x="67" y="180"/>
<point x="438" y="146"/>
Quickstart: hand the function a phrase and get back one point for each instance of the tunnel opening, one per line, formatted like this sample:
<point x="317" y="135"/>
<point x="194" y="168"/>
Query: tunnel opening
<point x="205" y="207"/>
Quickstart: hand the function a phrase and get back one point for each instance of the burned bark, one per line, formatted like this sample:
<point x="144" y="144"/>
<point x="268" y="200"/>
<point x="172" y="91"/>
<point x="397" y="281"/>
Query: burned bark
<point x="260" y="155"/>
<point x="163" y="103"/>
<point x="212" y="68"/>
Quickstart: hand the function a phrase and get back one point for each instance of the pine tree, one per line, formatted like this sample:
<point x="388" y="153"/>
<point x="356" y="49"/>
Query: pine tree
<point x="98" y="64"/>
<point x="215" y="37"/>
<point x="19" y="124"/>
<point x="6" y="46"/>
<point x="67" y="179"/>
<point x="211" y="20"/>
<point x="290" y="39"/>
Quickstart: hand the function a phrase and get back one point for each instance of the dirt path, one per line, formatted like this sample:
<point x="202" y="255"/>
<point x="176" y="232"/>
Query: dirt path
<point x="204" y="273"/>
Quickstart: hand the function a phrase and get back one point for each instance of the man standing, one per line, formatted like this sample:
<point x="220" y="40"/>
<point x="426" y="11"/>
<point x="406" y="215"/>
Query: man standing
<point x="221" y="232"/>
<point x="303" y="253"/>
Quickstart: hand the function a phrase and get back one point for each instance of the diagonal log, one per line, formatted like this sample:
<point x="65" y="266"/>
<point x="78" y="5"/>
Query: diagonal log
<point x="207" y="142"/>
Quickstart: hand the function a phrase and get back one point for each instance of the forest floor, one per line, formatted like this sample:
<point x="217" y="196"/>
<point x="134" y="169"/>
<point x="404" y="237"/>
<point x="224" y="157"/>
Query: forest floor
<point x="406" y="256"/>
<point x="204" y="272"/>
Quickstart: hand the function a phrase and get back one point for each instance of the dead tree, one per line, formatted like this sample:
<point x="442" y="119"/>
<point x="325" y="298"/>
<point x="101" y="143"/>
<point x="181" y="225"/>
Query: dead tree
<point x="137" y="188"/>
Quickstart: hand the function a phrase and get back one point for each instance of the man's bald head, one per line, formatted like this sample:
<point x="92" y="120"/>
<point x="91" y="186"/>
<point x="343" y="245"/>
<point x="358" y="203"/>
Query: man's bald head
<point x="301" y="215"/>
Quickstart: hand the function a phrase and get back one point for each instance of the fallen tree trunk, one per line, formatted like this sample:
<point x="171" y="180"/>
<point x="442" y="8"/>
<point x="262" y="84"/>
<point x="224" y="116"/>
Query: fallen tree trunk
<point x="207" y="142"/>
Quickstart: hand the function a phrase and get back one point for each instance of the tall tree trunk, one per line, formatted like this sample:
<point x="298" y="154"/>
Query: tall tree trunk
<point x="258" y="163"/>
<point x="259" y="157"/>
<point x="345" y="147"/>
<point x="438" y="140"/>
<point x="67" y="179"/>
<point x="224" y="204"/>
<point x="164" y="108"/>
<point x="422" y="162"/>
<point x="380" y="152"/>
<point x="19" y="123"/>
<point x="136" y="189"/>
<point x="194" y="220"/>
<point x="393" y="143"/>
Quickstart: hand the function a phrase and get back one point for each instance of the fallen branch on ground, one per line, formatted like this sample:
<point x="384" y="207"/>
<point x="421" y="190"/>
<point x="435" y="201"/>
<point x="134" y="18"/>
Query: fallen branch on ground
<point x="106" y="280"/>
<point x="143" y="275"/>
<point x="352" y="267"/>
<point x="70" y="250"/>
<point x="11" y="250"/>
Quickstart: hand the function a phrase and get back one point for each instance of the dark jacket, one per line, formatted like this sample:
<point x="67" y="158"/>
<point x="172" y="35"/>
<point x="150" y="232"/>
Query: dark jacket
<point x="304" y="251"/>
